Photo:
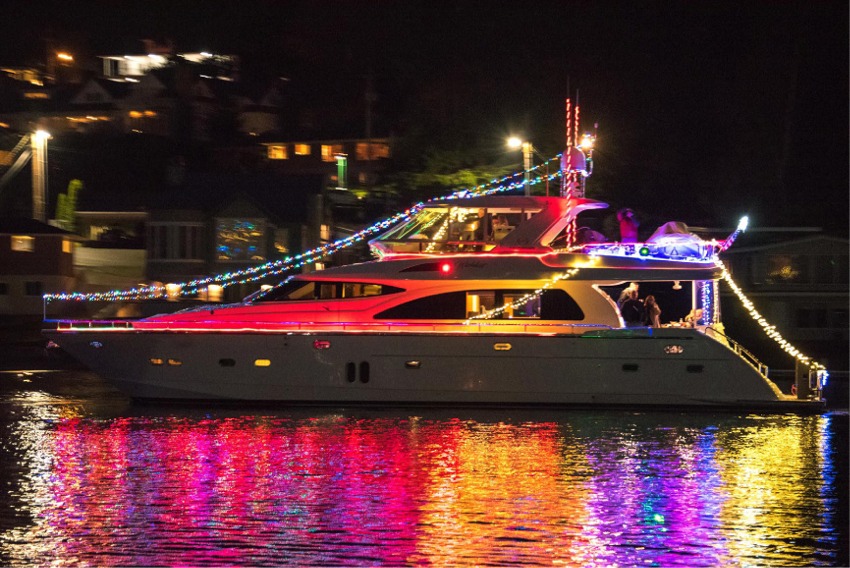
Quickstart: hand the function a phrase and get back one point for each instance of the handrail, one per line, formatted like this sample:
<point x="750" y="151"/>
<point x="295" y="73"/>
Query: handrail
<point x="503" y="326"/>
<point x="741" y="351"/>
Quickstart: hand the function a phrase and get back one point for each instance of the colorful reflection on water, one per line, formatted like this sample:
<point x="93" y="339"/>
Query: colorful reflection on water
<point x="155" y="486"/>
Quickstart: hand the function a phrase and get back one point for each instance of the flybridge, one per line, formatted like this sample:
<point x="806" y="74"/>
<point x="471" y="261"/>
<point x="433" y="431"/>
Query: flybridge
<point x="498" y="225"/>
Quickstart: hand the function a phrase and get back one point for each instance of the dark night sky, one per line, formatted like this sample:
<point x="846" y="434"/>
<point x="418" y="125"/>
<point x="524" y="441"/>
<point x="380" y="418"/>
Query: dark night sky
<point x="711" y="110"/>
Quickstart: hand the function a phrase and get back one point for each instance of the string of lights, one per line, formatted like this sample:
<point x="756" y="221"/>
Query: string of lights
<point x="742" y="226"/>
<point x="277" y="267"/>
<point x="495" y="312"/>
<point x="769" y="330"/>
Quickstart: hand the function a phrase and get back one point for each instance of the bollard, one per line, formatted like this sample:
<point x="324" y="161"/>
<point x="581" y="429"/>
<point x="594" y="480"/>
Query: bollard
<point x="801" y="380"/>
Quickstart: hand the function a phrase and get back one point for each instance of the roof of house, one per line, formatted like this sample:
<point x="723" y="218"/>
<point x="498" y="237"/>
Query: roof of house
<point x="789" y="242"/>
<point x="24" y="226"/>
<point x="283" y="198"/>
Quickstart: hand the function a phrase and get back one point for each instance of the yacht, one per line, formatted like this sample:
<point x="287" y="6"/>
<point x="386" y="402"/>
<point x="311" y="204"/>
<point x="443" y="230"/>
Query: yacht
<point x="486" y="300"/>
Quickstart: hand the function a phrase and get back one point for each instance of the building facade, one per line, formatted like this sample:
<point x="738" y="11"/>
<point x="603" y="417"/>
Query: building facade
<point x="800" y="285"/>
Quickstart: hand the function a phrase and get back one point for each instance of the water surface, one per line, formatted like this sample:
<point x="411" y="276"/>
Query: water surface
<point x="90" y="479"/>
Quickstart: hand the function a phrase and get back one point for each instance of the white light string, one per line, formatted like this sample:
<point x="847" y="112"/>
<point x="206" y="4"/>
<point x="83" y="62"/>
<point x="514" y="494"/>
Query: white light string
<point x="769" y="330"/>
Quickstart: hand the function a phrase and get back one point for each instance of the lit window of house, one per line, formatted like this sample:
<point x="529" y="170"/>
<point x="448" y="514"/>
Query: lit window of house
<point x="240" y="239"/>
<point x="23" y="243"/>
<point x="329" y="152"/>
<point x="278" y="153"/>
<point x="786" y="268"/>
<point x="281" y="241"/>
<point x="302" y="149"/>
<point x="372" y="150"/>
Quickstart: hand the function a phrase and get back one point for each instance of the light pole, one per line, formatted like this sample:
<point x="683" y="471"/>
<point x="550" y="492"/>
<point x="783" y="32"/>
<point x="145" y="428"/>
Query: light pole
<point x="527" y="149"/>
<point x="39" y="174"/>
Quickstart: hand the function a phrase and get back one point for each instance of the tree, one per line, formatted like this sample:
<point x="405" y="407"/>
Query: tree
<point x="66" y="206"/>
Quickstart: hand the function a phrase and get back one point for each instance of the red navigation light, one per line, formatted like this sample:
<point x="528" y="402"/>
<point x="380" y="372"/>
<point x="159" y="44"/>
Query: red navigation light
<point x="446" y="267"/>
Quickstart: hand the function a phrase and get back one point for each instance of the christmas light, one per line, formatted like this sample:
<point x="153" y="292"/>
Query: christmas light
<point x="274" y="268"/>
<point x="742" y="226"/>
<point x="770" y="330"/>
<point x="495" y="312"/>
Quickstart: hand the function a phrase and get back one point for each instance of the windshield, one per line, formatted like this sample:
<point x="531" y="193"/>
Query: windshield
<point x="301" y="290"/>
<point x="452" y="229"/>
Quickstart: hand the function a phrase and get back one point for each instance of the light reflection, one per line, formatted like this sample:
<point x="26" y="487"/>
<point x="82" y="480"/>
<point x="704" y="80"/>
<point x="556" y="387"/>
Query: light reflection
<point x="589" y="489"/>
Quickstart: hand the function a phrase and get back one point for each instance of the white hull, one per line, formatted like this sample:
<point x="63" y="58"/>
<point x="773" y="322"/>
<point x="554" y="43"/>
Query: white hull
<point x="670" y="367"/>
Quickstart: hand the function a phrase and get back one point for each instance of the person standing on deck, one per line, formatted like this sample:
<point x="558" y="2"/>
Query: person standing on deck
<point x="626" y="294"/>
<point x="628" y="226"/>
<point x="633" y="311"/>
<point x="653" y="311"/>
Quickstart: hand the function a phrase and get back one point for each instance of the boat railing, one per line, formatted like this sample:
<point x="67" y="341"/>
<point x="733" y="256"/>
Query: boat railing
<point x="485" y="326"/>
<point x="91" y="324"/>
<point x="738" y="349"/>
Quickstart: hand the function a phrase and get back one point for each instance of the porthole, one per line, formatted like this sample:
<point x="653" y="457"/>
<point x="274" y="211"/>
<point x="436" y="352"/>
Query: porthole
<point x="674" y="349"/>
<point x="156" y="361"/>
<point x="227" y="362"/>
<point x="262" y="362"/>
<point x="175" y="362"/>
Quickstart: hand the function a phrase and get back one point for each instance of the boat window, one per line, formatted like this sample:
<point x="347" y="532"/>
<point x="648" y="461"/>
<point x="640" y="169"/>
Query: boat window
<point x="453" y="229"/>
<point x="558" y="305"/>
<point x="451" y="305"/>
<point x="518" y="304"/>
<point x="296" y="290"/>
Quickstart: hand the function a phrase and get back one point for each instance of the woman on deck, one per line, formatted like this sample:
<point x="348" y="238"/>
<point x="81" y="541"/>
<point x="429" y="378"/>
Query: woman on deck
<point x="652" y="311"/>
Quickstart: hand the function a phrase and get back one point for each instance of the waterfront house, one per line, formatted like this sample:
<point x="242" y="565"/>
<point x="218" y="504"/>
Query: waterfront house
<point x="34" y="258"/>
<point x="798" y="281"/>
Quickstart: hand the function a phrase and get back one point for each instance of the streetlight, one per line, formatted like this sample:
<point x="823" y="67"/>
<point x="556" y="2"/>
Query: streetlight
<point x="39" y="174"/>
<point x="527" y="149"/>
